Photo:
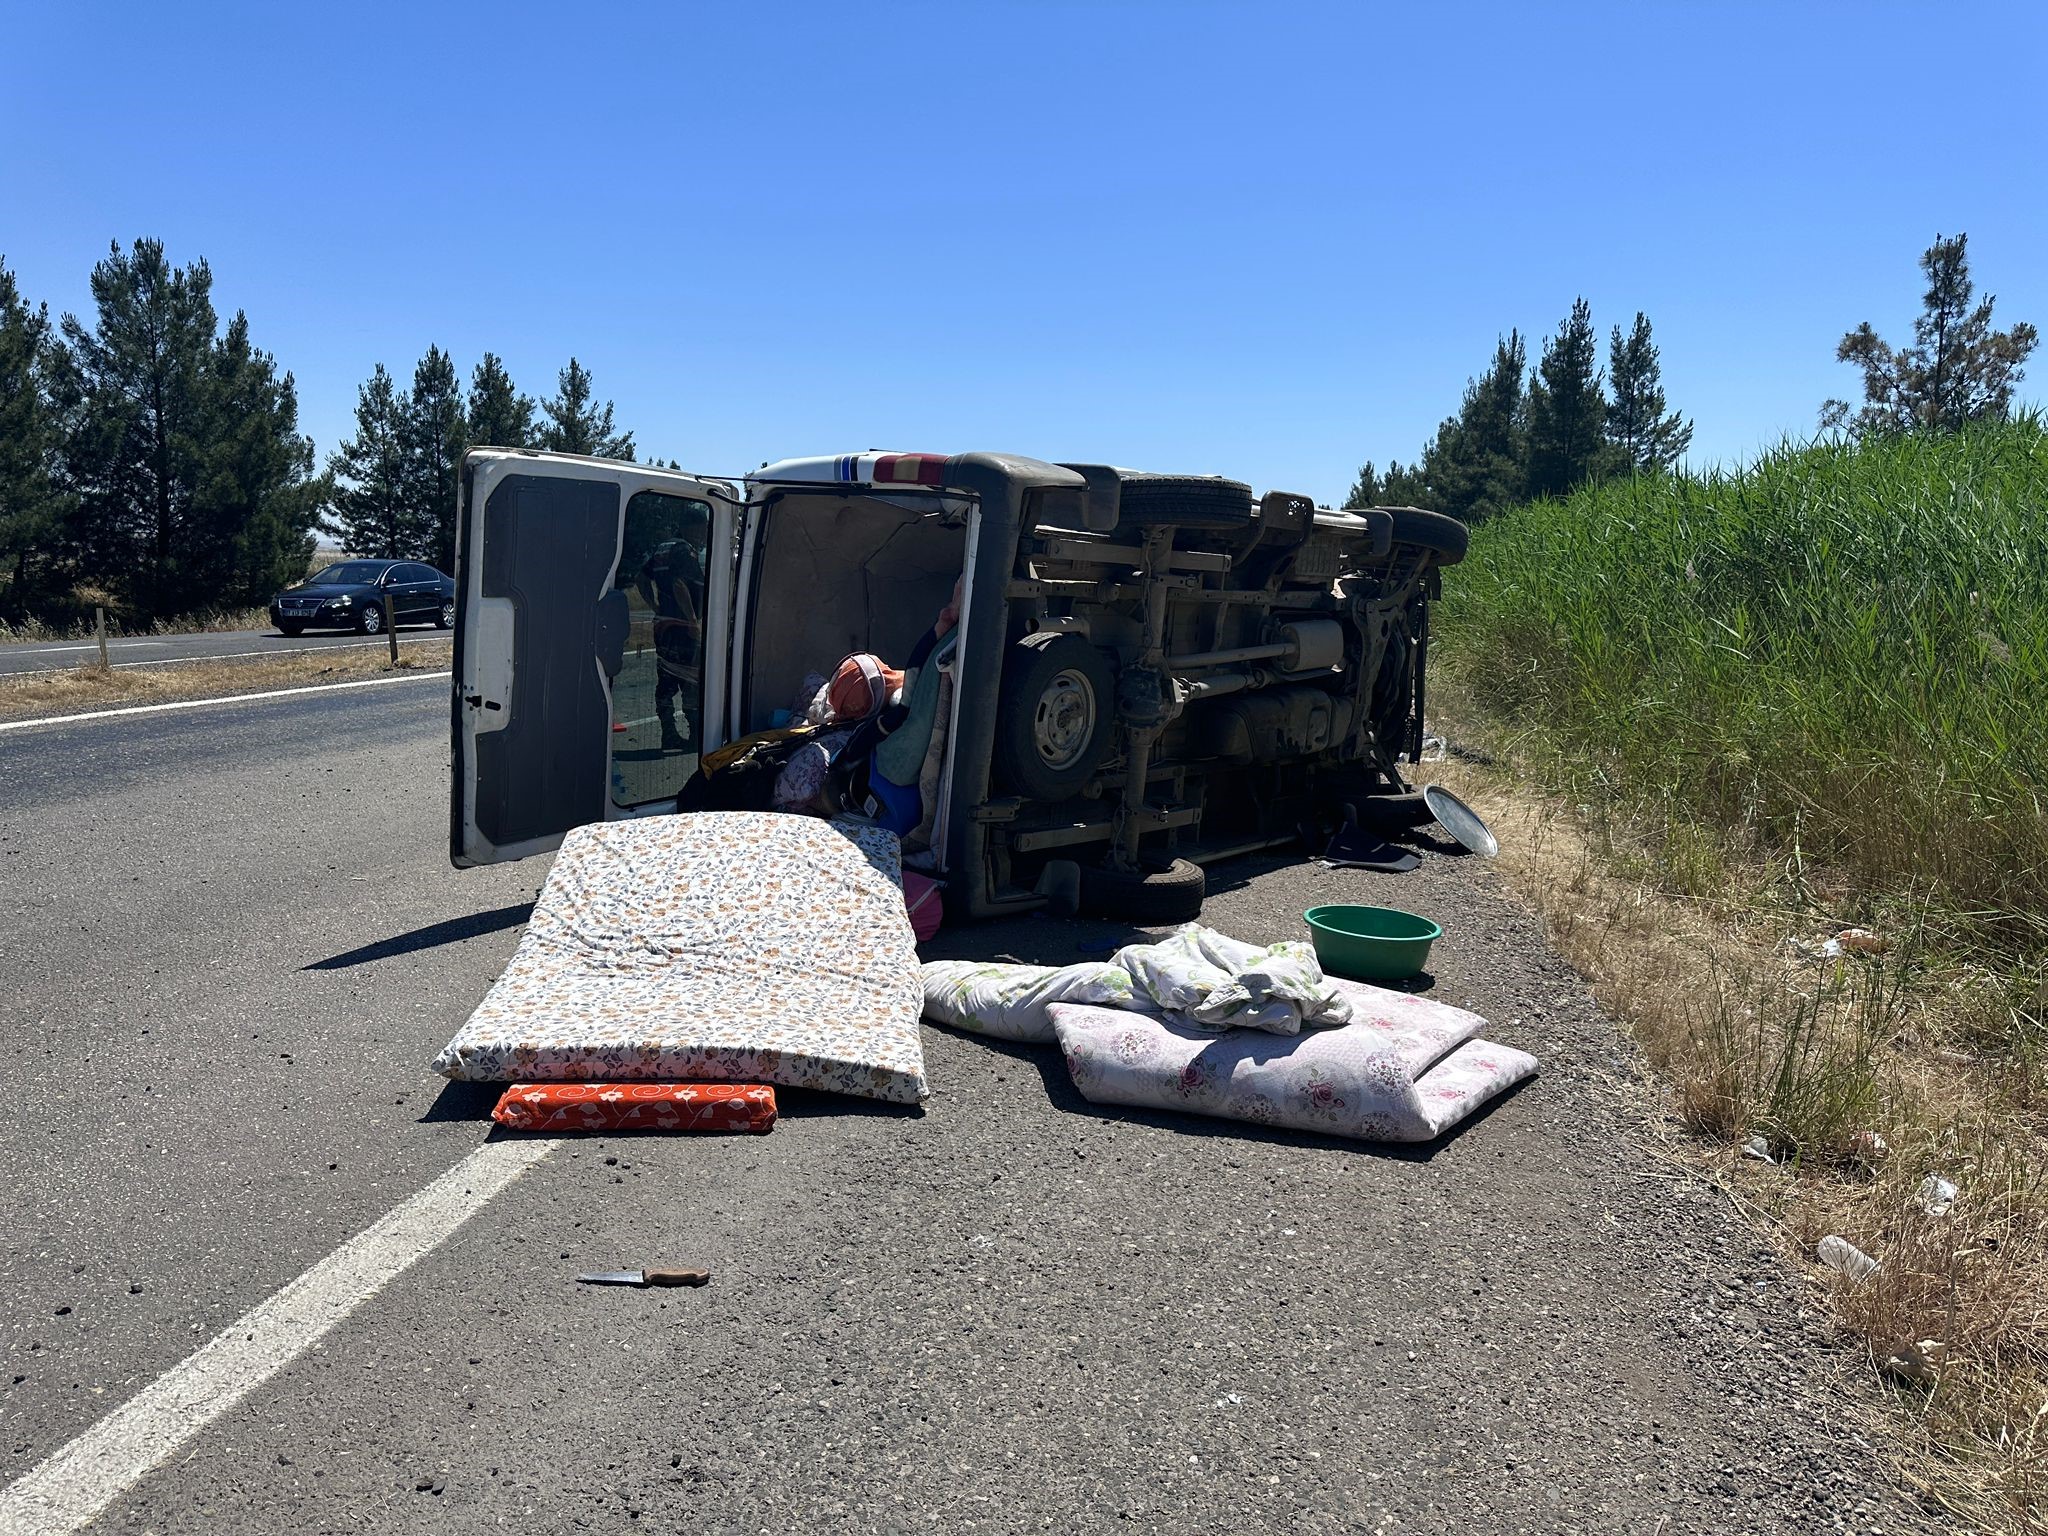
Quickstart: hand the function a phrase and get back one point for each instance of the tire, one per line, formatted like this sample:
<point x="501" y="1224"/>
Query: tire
<point x="291" y="631"/>
<point x="1186" y="500"/>
<point x="444" y="616"/>
<point x="1053" y="718"/>
<point x="1164" y="891"/>
<point x="371" y="620"/>
<point x="1438" y="532"/>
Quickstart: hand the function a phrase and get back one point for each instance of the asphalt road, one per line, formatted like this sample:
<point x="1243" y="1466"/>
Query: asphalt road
<point x="233" y="944"/>
<point x="30" y="656"/>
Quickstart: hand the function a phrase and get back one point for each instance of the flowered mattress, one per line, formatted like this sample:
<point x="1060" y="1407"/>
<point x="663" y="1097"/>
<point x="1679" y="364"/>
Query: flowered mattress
<point x="736" y="946"/>
<point x="1404" y="1069"/>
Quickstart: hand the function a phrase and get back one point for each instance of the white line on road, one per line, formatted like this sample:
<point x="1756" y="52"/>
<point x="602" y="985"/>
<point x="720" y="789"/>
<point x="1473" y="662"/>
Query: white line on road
<point x="70" y="1488"/>
<point x="176" y="661"/>
<point x="226" y="698"/>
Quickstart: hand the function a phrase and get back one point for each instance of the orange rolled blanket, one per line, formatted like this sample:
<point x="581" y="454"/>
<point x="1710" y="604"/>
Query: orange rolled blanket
<point x="636" y="1107"/>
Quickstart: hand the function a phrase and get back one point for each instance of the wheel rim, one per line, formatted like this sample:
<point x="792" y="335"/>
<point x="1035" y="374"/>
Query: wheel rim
<point x="1064" y="720"/>
<point x="372" y="621"/>
<point x="447" y="615"/>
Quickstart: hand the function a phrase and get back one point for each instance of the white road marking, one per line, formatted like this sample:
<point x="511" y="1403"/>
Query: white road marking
<point x="226" y="698"/>
<point x="73" y="1486"/>
<point x="175" y="661"/>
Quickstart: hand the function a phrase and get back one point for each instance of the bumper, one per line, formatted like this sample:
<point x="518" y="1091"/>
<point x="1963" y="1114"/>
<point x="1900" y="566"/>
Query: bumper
<point x="325" y="617"/>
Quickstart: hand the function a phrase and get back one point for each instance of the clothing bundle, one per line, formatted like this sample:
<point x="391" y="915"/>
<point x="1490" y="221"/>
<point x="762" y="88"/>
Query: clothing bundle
<point x="1199" y="978"/>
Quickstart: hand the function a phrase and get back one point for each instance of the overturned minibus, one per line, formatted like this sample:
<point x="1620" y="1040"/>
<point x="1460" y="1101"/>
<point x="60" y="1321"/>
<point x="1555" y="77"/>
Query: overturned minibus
<point x="1147" y="673"/>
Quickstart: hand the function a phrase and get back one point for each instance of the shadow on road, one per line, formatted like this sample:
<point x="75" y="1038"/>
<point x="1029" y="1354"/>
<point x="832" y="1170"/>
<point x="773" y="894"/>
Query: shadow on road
<point x="462" y="1101"/>
<point x="452" y="931"/>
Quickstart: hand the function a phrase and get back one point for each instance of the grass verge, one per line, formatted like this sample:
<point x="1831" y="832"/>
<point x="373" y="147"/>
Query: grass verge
<point x="1767" y="748"/>
<point x="211" y="621"/>
<point x="1862" y="1076"/>
<point x="87" y="688"/>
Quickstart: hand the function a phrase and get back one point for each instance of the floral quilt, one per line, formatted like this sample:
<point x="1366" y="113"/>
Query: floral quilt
<point x="1404" y="1069"/>
<point x="737" y="946"/>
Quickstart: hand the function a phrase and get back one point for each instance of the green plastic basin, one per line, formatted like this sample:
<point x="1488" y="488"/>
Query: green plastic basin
<point x="1371" y="943"/>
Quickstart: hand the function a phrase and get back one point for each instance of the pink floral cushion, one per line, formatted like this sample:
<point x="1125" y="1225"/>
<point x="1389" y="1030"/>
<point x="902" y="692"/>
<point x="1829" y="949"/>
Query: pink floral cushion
<point x="1405" y="1069"/>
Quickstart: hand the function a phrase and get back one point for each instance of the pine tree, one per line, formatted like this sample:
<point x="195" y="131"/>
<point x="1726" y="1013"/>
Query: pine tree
<point x="138" y="381"/>
<point x="576" y="425"/>
<point x="370" y="473"/>
<point x="1567" y="410"/>
<point x="1404" y="486"/>
<point x="255" y="500"/>
<point x="1644" y="438"/>
<point x="1368" y="490"/>
<point x="498" y="415"/>
<point x="1472" y="468"/>
<point x="1958" y="369"/>
<point x="434" y="438"/>
<point x="32" y="508"/>
<point x="194" y="486"/>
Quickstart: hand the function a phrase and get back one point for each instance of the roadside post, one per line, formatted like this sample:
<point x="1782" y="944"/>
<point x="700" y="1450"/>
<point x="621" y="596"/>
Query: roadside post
<point x="99" y="628"/>
<point x="390" y="627"/>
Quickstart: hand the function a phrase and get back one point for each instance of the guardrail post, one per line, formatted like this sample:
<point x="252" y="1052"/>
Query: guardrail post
<point x="390" y="626"/>
<point x="99" y="626"/>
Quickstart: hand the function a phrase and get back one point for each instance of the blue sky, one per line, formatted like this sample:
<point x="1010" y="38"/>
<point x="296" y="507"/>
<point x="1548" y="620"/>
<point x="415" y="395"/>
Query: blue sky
<point x="1265" y="240"/>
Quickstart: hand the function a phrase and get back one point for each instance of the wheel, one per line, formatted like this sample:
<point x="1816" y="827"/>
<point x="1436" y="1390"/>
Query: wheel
<point x="1438" y="532"/>
<point x="445" y="617"/>
<point x="290" y="630"/>
<point x="1188" y="500"/>
<point x="1052" y="723"/>
<point x="371" y="620"/>
<point x="1163" y="891"/>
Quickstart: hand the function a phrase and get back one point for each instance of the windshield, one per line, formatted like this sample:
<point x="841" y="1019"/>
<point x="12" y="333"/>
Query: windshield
<point x="350" y="573"/>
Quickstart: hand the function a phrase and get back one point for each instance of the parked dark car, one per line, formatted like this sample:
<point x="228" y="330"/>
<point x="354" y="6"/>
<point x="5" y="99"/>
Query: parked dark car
<point x="350" y="595"/>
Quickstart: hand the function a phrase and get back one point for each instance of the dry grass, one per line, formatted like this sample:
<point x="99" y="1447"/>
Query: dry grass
<point x="1864" y="1075"/>
<point x="212" y="621"/>
<point x="88" y="687"/>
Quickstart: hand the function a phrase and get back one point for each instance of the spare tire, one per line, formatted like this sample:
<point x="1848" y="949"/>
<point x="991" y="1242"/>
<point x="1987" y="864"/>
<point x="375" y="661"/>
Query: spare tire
<point x="1438" y="532"/>
<point x="1053" y="718"/>
<point x="1193" y="501"/>
<point x="1162" y="891"/>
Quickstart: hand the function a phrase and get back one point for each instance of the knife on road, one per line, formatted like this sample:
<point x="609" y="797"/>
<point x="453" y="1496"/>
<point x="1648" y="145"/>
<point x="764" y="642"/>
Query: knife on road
<point x="646" y="1277"/>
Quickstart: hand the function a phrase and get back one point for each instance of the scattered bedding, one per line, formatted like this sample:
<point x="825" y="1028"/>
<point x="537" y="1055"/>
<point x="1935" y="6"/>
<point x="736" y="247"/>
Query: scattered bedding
<point x="739" y="946"/>
<point x="1404" y="1069"/>
<point x="1009" y="1001"/>
<point x="556" y="1107"/>
<point x="1208" y="980"/>
<point x="1205" y="979"/>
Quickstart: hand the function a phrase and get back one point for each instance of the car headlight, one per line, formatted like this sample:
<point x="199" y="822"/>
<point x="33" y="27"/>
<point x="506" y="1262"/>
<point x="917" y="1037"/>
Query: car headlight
<point x="343" y="601"/>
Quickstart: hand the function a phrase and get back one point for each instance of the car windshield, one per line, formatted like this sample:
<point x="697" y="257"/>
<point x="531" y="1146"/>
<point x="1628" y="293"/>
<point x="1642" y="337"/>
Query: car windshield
<point x="350" y="573"/>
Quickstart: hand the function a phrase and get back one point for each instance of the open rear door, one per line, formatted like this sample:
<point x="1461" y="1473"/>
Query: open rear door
<point x="593" y="604"/>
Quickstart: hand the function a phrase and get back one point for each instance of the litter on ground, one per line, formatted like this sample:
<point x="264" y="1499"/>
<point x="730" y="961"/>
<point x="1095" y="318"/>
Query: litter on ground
<point x="1936" y="1195"/>
<point x="1845" y="1258"/>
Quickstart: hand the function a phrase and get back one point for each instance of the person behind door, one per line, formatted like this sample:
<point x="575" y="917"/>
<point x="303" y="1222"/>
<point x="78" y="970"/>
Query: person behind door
<point x="670" y="583"/>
